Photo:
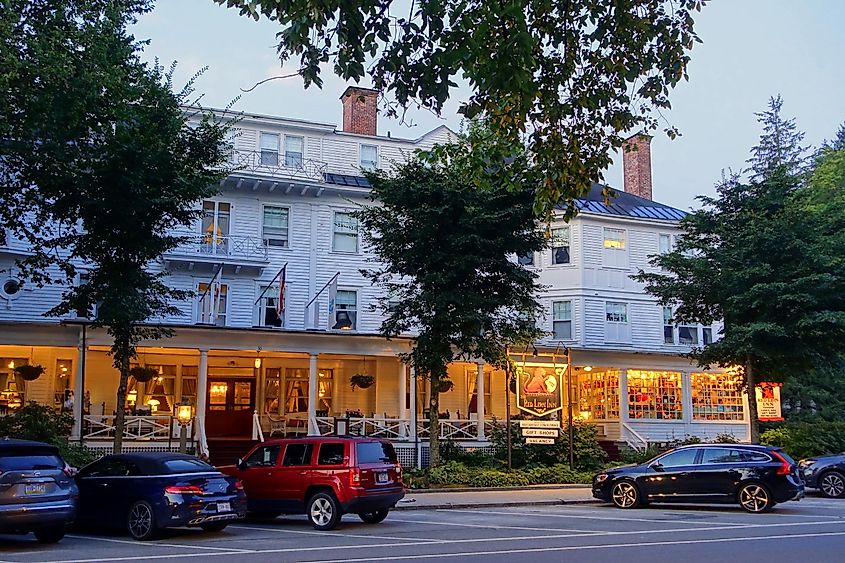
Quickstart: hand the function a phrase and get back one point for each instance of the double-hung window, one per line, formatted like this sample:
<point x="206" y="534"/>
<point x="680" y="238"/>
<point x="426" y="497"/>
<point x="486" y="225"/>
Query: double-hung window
<point x="294" y="149"/>
<point x="562" y="320"/>
<point x="688" y="335"/>
<point x="706" y="335"/>
<point x="369" y="157"/>
<point x="346" y="302"/>
<point x="615" y="248"/>
<point x="275" y="226"/>
<point x="345" y="232"/>
<point x="617" y="328"/>
<point x="269" y="312"/>
<point x="211" y="307"/>
<point x="526" y="259"/>
<point x="668" y="327"/>
<point x="269" y="145"/>
<point x="665" y="244"/>
<point x="560" y="245"/>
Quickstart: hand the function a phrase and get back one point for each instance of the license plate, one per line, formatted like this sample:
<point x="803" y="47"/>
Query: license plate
<point x="224" y="507"/>
<point x="36" y="489"/>
<point x="382" y="478"/>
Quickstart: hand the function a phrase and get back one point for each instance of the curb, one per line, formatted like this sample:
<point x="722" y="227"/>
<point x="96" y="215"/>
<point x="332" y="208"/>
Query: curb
<point x="496" y="489"/>
<point x="457" y="505"/>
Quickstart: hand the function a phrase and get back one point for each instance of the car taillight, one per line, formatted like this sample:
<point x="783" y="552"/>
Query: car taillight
<point x="183" y="490"/>
<point x="785" y="467"/>
<point x="68" y="470"/>
<point x="239" y="485"/>
<point x="354" y="476"/>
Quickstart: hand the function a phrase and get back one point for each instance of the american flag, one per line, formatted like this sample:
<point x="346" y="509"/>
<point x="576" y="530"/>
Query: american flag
<point x="280" y="302"/>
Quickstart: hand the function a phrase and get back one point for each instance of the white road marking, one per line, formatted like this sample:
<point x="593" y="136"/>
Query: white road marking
<point x="324" y="534"/>
<point x="158" y="544"/>
<point x="617" y="518"/>
<point x="495" y="527"/>
<point x="477" y="540"/>
<point x="572" y="548"/>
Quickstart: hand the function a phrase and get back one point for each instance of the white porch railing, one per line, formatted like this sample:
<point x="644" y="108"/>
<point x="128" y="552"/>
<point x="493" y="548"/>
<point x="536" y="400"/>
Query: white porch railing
<point x="377" y="427"/>
<point x="633" y="438"/>
<point x="159" y="428"/>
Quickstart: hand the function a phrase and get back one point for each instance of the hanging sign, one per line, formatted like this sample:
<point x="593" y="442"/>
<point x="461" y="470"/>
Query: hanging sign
<point x="539" y="424"/>
<point x="544" y="441"/>
<point x="768" y="402"/>
<point x="540" y="432"/>
<point x="539" y="388"/>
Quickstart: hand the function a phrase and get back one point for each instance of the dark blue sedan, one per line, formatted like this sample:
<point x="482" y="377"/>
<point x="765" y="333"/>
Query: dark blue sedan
<point x="147" y="492"/>
<point x="825" y="473"/>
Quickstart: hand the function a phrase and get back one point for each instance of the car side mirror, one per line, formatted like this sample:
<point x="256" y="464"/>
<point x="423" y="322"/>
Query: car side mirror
<point x="241" y="464"/>
<point x="657" y="466"/>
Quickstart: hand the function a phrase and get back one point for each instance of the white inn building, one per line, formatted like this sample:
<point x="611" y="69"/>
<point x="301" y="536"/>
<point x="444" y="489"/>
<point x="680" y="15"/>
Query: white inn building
<point x="250" y="371"/>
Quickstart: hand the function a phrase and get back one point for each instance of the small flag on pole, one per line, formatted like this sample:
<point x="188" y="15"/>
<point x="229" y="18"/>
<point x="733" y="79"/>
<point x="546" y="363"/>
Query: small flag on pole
<point x="280" y="302"/>
<point x="332" y="312"/>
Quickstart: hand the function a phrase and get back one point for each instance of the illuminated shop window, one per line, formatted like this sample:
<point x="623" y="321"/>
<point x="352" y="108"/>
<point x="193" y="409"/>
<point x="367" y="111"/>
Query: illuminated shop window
<point x="716" y="396"/>
<point x="598" y="395"/>
<point x="654" y="395"/>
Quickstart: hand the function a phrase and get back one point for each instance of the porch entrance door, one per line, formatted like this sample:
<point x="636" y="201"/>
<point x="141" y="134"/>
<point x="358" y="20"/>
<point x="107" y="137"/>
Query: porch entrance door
<point x="231" y="402"/>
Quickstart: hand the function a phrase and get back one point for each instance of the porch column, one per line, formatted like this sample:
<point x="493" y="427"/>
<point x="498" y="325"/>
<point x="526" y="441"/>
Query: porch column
<point x="403" y="391"/>
<point x="312" y="396"/>
<point x="202" y="397"/>
<point x="79" y="388"/>
<point x="686" y="401"/>
<point x="623" y="406"/>
<point x="413" y="382"/>
<point x="479" y="400"/>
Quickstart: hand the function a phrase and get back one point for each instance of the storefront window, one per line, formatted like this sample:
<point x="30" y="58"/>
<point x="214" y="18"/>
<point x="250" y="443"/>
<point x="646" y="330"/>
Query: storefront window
<point x="598" y="395"/>
<point x="160" y="391"/>
<point x="654" y="395"/>
<point x="716" y="396"/>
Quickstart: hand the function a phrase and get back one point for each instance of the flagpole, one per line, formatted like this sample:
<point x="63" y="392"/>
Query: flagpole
<point x="334" y="277"/>
<point x="269" y="285"/>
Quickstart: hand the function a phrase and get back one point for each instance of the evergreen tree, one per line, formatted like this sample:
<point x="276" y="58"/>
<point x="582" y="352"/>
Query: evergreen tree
<point x="779" y="146"/>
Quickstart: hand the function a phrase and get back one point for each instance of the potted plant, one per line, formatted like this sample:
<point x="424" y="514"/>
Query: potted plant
<point x="362" y="380"/>
<point x="29" y="372"/>
<point x="143" y="373"/>
<point x="445" y="385"/>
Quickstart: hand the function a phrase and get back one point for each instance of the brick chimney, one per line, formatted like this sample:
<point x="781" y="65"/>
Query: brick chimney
<point x="360" y="110"/>
<point x="636" y="160"/>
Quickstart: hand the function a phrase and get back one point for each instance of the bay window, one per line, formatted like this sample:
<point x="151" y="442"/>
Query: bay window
<point x="615" y="251"/>
<point x="716" y="396"/>
<point x="598" y="394"/>
<point x="654" y="395"/>
<point x="562" y="320"/>
<point x="617" y="328"/>
<point x="560" y="245"/>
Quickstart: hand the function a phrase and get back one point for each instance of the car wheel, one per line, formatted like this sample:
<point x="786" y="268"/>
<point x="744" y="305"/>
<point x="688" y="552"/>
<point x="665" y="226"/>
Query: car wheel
<point x="50" y="535"/>
<point x="374" y="517"/>
<point x="832" y="484"/>
<point x="214" y="526"/>
<point x="625" y="494"/>
<point x="323" y="511"/>
<point x="755" y="498"/>
<point x="141" y="521"/>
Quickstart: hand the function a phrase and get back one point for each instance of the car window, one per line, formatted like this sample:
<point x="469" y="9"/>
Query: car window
<point x="679" y="457"/>
<point x="755" y="456"/>
<point x="721" y="455"/>
<point x="330" y="454"/>
<point x="188" y="466"/>
<point x="375" y="452"/>
<point x="23" y="460"/>
<point x="297" y="454"/>
<point x="110" y="468"/>
<point x="785" y="456"/>
<point x="265" y="456"/>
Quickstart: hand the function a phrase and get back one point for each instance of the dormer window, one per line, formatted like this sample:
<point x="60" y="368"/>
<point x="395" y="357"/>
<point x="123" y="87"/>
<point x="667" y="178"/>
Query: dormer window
<point x="269" y="144"/>
<point x="369" y="157"/>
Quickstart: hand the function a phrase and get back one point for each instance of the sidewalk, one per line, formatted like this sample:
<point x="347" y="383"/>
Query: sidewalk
<point x="488" y="498"/>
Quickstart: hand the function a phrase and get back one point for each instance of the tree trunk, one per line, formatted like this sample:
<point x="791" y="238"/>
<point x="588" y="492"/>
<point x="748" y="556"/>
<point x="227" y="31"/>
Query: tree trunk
<point x="434" y="422"/>
<point x="120" y="409"/>
<point x="752" y="400"/>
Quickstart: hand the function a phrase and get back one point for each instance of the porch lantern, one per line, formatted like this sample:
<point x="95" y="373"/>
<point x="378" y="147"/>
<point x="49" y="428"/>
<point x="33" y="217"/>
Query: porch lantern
<point x="132" y="397"/>
<point x="344" y="321"/>
<point x="184" y="415"/>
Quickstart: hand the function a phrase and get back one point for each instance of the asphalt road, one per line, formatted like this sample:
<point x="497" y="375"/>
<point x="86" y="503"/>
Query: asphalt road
<point x="812" y="530"/>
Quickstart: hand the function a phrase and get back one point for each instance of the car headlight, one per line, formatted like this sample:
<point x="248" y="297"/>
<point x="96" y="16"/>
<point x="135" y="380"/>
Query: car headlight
<point x="601" y="477"/>
<point x="805" y="463"/>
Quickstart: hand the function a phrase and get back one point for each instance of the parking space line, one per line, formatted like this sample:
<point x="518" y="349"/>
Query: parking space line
<point x="494" y="527"/>
<point x="159" y="544"/>
<point x="572" y="548"/>
<point x="584" y="517"/>
<point x="323" y="534"/>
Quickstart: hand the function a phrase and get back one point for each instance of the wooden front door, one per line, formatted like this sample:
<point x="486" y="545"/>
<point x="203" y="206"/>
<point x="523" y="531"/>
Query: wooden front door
<point x="231" y="403"/>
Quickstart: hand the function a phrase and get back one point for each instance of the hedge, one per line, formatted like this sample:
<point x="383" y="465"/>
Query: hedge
<point x="806" y="439"/>
<point x="456" y="474"/>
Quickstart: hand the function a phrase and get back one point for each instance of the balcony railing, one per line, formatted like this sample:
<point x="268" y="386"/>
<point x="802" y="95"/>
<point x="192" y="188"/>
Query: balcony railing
<point x="376" y="427"/>
<point x="243" y="247"/>
<point x="278" y="164"/>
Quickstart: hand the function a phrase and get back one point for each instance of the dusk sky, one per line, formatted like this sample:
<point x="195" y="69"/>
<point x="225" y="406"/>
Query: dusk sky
<point x="751" y="50"/>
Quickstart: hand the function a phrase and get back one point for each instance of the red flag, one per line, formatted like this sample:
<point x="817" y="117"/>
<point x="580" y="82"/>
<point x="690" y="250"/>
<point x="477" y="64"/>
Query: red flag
<point x="280" y="302"/>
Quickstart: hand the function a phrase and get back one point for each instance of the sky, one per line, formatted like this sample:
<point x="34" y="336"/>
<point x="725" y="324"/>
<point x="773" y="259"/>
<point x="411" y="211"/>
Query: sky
<point x="750" y="50"/>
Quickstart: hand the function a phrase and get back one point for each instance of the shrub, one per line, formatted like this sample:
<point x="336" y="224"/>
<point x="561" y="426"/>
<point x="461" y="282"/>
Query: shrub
<point x="587" y="452"/>
<point x="452" y="473"/>
<point x="806" y="439"/>
<point x="43" y="424"/>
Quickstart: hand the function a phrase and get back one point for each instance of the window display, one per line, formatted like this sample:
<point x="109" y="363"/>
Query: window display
<point x="654" y="395"/>
<point x="716" y="396"/>
<point x="598" y="395"/>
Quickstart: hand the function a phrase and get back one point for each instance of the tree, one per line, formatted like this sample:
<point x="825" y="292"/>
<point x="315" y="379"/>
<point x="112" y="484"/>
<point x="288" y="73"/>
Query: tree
<point x="445" y="252"/>
<point x="756" y="258"/>
<point x="779" y="146"/>
<point x="571" y="77"/>
<point x="100" y="164"/>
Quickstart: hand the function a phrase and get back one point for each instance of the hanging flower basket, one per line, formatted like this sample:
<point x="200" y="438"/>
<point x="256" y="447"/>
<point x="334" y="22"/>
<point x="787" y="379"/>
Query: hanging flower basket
<point x="29" y="372"/>
<point x="362" y="380"/>
<point x="445" y="385"/>
<point x="143" y="373"/>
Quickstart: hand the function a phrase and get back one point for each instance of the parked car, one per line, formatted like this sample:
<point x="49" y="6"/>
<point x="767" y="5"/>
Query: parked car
<point x="825" y="473"/>
<point x="757" y="477"/>
<point x="146" y="492"/>
<point x="37" y="492"/>
<point x="323" y="478"/>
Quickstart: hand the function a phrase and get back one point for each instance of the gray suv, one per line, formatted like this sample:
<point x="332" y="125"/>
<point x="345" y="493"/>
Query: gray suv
<point x="37" y="491"/>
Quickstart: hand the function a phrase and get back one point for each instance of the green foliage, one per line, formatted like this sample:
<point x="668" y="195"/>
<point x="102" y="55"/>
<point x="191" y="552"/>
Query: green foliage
<point x="587" y="452"/>
<point x="780" y="145"/>
<point x="43" y="424"/>
<point x="453" y="473"/>
<point x="571" y="80"/>
<point x="803" y="440"/>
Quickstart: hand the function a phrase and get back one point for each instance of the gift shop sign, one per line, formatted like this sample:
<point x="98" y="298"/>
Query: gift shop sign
<point x="539" y="389"/>
<point x="768" y="402"/>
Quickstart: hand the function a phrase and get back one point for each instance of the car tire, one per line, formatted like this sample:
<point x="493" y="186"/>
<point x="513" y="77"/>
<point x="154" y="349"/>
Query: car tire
<point x="832" y="484"/>
<point x="214" y="526"/>
<point x="625" y="494"/>
<point x="141" y="521"/>
<point x="50" y="535"/>
<point x="755" y="498"/>
<point x="375" y="516"/>
<point x="323" y="511"/>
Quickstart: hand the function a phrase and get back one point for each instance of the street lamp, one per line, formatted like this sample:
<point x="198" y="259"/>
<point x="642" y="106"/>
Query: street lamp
<point x="184" y="415"/>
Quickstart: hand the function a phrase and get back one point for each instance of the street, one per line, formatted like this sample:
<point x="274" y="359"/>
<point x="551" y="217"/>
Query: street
<point x="810" y="530"/>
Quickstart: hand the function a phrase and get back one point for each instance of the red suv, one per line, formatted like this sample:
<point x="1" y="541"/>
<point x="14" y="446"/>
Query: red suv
<point x="323" y="477"/>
